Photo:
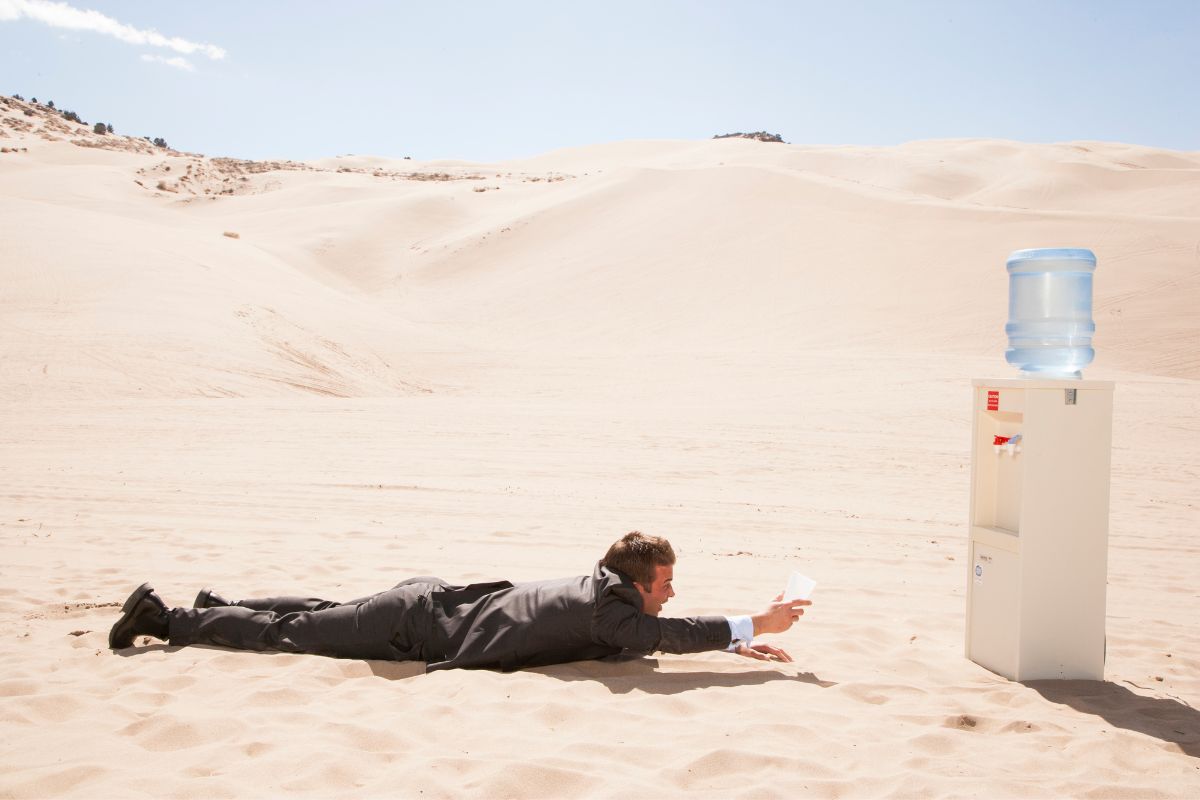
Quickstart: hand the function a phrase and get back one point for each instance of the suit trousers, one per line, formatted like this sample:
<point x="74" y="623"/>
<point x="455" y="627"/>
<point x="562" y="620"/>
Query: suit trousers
<point x="395" y="625"/>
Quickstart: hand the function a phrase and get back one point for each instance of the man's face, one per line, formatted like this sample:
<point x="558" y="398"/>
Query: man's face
<point x="659" y="592"/>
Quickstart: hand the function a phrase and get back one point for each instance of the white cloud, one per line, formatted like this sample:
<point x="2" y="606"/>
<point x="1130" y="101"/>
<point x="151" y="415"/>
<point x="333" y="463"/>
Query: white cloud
<point x="61" y="15"/>
<point x="178" y="62"/>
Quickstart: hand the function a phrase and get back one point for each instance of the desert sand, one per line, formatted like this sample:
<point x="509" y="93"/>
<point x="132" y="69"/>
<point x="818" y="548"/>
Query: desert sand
<point x="323" y="378"/>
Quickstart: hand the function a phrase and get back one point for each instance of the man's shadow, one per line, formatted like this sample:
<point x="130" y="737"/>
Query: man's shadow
<point x="619" y="674"/>
<point x="624" y="674"/>
<point x="1169" y="720"/>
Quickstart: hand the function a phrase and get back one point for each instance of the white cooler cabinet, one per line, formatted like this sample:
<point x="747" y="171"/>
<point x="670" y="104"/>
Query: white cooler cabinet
<point x="1038" y="529"/>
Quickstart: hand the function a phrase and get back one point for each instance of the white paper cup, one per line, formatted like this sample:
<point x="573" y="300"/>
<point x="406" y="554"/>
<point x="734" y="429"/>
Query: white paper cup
<point x="799" y="587"/>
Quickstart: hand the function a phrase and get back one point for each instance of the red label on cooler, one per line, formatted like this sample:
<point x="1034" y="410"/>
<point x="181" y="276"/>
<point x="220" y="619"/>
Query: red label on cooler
<point x="993" y="400"/>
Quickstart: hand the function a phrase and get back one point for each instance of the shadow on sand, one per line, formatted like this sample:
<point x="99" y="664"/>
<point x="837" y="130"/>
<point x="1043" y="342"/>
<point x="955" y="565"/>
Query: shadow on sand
<point x="1170" y="720"/>
<point x="137" y="650"/>
<point x="623" y="674"/>
<point x="620" y="674"/>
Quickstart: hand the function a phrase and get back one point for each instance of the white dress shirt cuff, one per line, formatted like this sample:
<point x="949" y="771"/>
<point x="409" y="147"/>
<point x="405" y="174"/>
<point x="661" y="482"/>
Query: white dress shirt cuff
<point x="741" y="630"/>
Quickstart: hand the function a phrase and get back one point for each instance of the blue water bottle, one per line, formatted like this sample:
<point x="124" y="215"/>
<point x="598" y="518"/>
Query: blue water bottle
<point x="1050" y="323"/>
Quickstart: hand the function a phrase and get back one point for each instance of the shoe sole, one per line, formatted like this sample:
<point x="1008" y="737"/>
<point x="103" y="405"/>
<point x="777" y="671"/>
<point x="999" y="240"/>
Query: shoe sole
<point x="139" y="594"/>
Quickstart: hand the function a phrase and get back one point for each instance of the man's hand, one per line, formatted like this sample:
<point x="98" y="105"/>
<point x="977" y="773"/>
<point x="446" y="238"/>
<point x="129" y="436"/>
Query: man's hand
<point x="779" y="616"/>
<point x="762" y="652"/>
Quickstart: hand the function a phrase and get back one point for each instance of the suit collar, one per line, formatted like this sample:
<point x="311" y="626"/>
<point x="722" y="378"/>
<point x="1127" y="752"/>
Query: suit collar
<point x="614" y="584"/>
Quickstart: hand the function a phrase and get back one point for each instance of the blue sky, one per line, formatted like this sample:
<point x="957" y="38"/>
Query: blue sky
<point x="488" y="81"/>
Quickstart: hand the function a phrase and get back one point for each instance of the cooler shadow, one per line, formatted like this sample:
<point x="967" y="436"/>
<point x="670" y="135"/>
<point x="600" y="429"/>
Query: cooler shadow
<point x="1170" y="720"/>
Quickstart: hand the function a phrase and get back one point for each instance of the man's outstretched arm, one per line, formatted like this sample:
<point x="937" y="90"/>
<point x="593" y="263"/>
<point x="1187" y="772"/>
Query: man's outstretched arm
<point x="777" y="618"/>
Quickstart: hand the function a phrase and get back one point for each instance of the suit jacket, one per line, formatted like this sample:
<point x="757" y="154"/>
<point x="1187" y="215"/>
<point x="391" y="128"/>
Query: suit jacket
<point x="499" y="625"/>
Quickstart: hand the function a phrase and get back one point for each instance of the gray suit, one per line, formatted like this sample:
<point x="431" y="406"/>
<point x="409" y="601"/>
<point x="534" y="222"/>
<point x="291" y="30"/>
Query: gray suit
<point x="488" y="625"/>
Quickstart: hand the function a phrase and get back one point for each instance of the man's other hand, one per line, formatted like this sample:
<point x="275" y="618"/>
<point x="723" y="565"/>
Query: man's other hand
<point x="762" y="652"/>
<point x="779" y="616"/>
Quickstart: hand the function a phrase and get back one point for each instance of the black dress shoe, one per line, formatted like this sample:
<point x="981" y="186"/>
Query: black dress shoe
<point x="210" y="599"/>
<point x="144" y="614"/>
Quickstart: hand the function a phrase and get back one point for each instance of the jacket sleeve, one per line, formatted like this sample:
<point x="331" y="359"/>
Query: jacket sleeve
<point x="618" y="621"/>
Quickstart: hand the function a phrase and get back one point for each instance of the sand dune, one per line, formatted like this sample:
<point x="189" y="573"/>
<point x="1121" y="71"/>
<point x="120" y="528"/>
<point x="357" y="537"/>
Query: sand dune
<point x="761" y="351"/>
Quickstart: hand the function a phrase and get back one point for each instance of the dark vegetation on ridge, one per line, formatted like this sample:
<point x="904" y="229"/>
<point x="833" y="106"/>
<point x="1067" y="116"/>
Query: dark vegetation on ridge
<point x="100" y="128"/>
<point x="761" y="136"/>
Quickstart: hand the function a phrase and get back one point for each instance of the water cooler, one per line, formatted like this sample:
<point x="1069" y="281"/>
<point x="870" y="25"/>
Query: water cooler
<point x="1038" y="527"/>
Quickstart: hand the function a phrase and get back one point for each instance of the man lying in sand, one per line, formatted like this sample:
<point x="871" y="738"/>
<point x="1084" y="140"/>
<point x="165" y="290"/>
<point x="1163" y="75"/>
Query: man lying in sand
<point x="489" y="625"/>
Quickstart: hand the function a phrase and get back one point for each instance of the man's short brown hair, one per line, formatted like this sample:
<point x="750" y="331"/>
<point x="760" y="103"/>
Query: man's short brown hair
<point x="636" y="555"/>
